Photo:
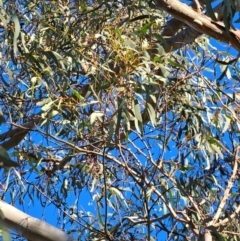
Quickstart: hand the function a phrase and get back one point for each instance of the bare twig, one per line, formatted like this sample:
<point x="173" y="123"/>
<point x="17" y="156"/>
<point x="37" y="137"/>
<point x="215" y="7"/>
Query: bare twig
<point x="226" y="220"/>
<point x="229" y="187"/>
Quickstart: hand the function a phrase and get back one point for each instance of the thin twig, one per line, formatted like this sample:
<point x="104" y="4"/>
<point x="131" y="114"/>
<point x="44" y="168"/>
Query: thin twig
<point x="229" y="187"/>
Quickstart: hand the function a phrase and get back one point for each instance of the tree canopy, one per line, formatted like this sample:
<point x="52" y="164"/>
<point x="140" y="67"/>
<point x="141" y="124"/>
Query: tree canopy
<point x="123" y="116"/>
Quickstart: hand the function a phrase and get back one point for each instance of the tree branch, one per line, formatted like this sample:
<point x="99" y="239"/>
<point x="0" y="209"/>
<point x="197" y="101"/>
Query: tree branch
<point x="29" y="227"/>
<point x="188" y="34"/>
<point x="200" y="23"/>
<point x="15" y="135"/>
<point x="229" y="187"/>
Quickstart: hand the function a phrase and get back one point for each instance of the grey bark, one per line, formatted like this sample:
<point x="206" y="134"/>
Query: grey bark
<point x="29" y="227"/>
<point x="201" y="24"/>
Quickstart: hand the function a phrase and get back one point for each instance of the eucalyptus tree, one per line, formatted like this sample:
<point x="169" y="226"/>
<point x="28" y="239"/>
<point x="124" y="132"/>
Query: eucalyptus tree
<point x="123" y="116"/>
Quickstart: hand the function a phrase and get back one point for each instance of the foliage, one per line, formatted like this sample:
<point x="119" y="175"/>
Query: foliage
<point x="145" y="135"/>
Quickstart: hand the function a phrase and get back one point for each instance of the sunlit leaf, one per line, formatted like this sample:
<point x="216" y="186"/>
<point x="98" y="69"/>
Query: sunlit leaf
<point x="96" y="115"/>
<point x="151" y="113"/>
<point x="16" y="32"/>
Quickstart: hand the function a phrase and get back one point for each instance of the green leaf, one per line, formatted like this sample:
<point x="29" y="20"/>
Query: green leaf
<point x="76" y="93"/>
<point x="44" y="102"/>
<point x="175" y="64"/>
<point x="5" y="160"/>
<point x="145" y="28"/>
<point x="217" y="150"/>
<point x="99" y="215"/>
<point x="116" y="192"/>
<point x="55" y="57"/>
<point x="136" y="110"/>
<point x="151" y="113"/>
<point x="94" y="181"/>
<point x="23" y="35"/>
<point x="137" y="115"/>
<point x="210" y="11"/>
<point x="215" y="233"/>
<point x="2" y="119"/>
<point x="119" y="33"/>
<point x="121" y="103"/>
<point x="96" y="115"/>
<point x="47" y="106"/>
<point x="110" y="132"/>
<point x="16" y="32"/>
<point x="214" y="141"/>
<point x="226" y="124"/>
